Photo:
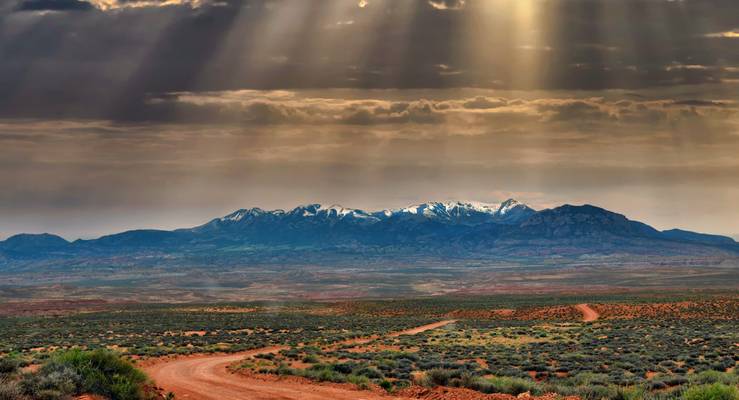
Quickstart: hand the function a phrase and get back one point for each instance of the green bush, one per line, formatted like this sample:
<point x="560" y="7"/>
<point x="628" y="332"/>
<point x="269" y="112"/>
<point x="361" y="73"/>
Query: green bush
<point x="716" y="391"/>
<point x="9" y="366"/>
<point x="322" y="373"/>
<point x="53" y="381"/>
<point x="73" y="372"/>
<point x="596" y="392"/>
<point x="440" y="377"/>
<point x="362" y="382"/>
<point x="708" y="377"/>
<point x="370" y="373"/>
<point x="311" y="359"/>
<point x="10" y="390"/>
<point x="514" y="386"/>
<point x="630" y="393"/>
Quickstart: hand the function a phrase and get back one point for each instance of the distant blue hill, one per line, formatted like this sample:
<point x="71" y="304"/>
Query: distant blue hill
<point x="449" y="229"/>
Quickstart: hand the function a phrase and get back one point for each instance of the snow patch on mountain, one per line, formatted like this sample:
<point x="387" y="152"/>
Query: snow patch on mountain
<point x="469" y="212"/>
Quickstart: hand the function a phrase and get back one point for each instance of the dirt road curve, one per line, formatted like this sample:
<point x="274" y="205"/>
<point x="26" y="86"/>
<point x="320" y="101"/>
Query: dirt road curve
<point x="588" y="314"/>
<point x="206" y="378"/>
<point x="423" y="328"/>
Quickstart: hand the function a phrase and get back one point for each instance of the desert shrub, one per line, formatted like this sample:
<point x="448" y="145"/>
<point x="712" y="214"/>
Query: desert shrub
<point x="440" y="377"/>
<point x="344" y="368"/>
<point x="708" y="377"/>
<point x="327" y="375"/>
<point x="716" y="391"/>
<point x="311" y="359"/>
<point x="10" y="390"/>
<point x="284" y="369"/>
<point x="53" y="381"/>
<point x="675" y="380"/>
<point x="513" y="386"/>
<point x="322" y="373"/>
<point x="362" y="382"/>
<point x="370" y="373"/>
<point x="674" y="394"/>
<point x="597" y="392"/>
<point x="9" y="365"/>
<point x="422" y="380"/>
<point x="657" y="385"/>
<point x="293" y="353"/>
<point x="97" y="372"/>
<point x="474" y="383"/>
<point x="589" y="379"/>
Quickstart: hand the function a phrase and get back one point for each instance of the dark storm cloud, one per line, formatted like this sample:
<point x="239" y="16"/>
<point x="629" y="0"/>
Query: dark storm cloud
<point x="105" y="64"/>
<point x="54" y="5"/>
<point x="703" y="103"/>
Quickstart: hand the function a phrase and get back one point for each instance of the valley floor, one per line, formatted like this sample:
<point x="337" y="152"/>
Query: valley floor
<point x="652" y="345"/>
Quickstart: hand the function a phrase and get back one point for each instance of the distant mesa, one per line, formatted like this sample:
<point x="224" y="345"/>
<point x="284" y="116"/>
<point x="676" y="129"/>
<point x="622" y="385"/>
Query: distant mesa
<point x="25" y="242"/>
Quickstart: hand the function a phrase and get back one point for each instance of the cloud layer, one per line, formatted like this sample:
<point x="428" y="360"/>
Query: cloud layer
<point x="658" y="159"/>
<point x="103" y="58"/>
<point x="164" y="113"/>
<point x="285" y="107"/>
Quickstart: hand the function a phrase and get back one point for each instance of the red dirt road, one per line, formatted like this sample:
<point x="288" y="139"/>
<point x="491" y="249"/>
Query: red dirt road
<point x="423" y="328"/>
<point x="207" y="378"/>
<point x="588" y="314"/>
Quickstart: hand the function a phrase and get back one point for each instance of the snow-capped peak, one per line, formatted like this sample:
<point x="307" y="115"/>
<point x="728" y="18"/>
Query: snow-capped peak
<point x="306" y="210"/>
<point x="489" y="208"/>
<point x="463" y="212"/>
<point x="509" y="205"/>
<point x="337" y="211"/>
<point x="340" y="210"/>
<point x="242" y="214"/>
<point x="450" y="208"/>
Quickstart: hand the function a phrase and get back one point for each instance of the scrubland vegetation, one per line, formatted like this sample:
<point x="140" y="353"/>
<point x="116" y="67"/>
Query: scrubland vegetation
<point x="74" y="372"/>
<point x="150" y="331"/>
<point x="679" y="347"/>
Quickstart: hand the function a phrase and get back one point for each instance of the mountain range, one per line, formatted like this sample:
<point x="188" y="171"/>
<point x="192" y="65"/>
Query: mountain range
<point x="441" y="229"/>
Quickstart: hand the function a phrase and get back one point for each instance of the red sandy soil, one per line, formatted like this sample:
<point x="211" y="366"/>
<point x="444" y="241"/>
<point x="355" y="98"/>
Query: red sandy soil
<point x="206" y="377"/>
<point x="588" y="314"/>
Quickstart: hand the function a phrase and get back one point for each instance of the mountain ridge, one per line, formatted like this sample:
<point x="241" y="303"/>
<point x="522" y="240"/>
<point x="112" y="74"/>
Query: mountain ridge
<point x="453" y="228"/>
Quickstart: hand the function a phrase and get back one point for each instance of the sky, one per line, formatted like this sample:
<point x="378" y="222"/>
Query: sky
<point x="122" y="114"/>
